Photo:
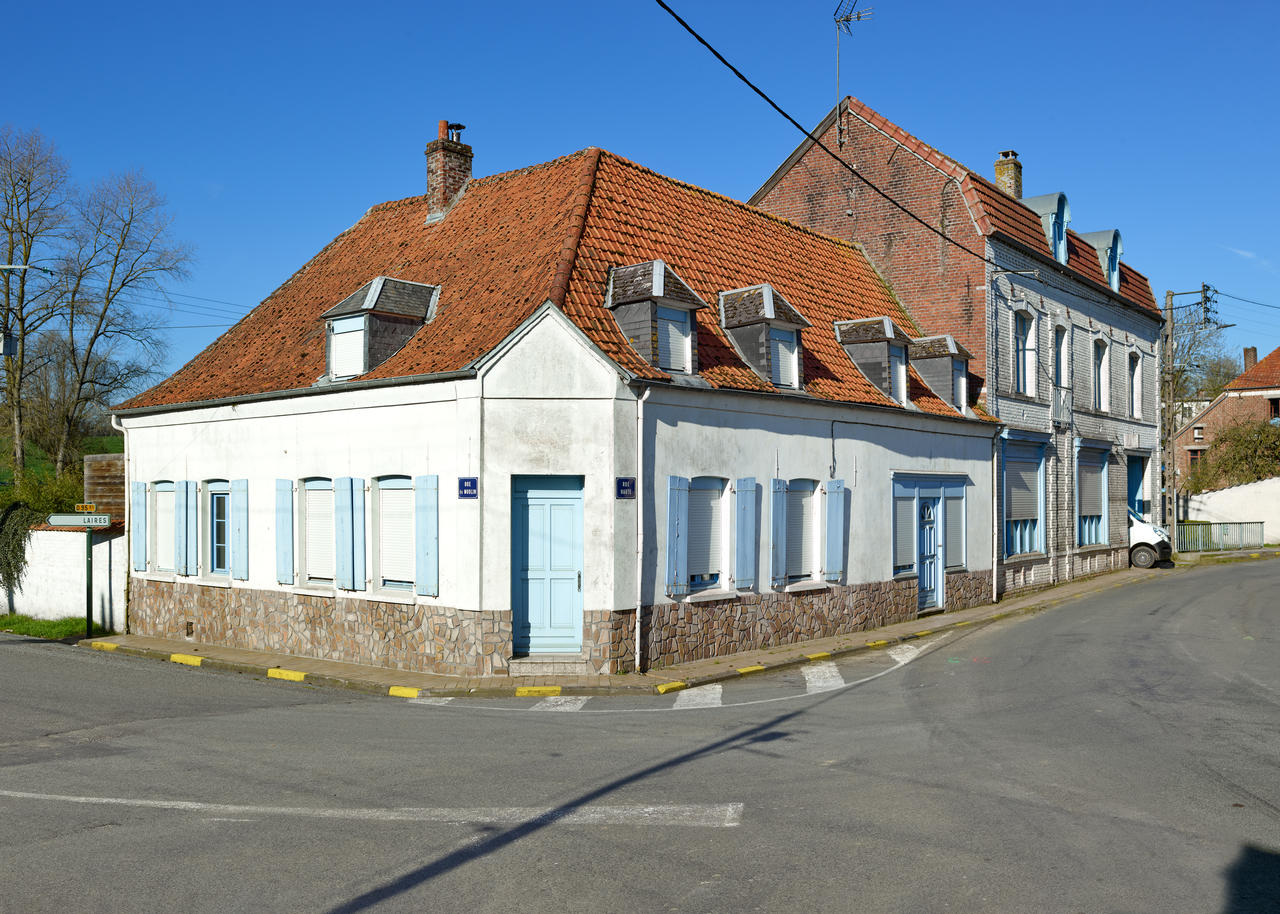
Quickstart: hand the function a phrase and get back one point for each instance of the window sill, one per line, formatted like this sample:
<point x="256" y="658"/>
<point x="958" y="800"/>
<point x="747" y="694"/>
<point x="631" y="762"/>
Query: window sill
<point x="802" y="586"/>
<point x="905" y="575"/>
<point x="1094" y="547"/>
<point x="219" y="581"/>
<point x="712" y="596"/>
<point x="164" y="577"/>
<point x="956" y="569"/>
<point x="314" y="590"/>
<point x="403" y="597"/>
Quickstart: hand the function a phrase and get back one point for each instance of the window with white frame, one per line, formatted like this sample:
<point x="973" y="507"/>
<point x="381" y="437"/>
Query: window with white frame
<point x="394" y="519"/>
<point x="674" y="327"/>
<point x="346" y="347"/>
<point x="1135" y="385"/>
<point x="959" y="384"/>
<point x="317" y="531"/>
<point x="1024" y="353"/>
<point x="898" y="373"/>
<point x="802" y="534"/>
<point x="782" y="357"/>
<point x="1091" y="496"/>
<point x="162" y="532"/>
<point x="1061" y="356"/>
<point x="1197" y="433"/>
<point x="1101" y="376"/>
<point x="907" y="491"/>
<point x="1022" y="503"/>
<point x="217" y="527"/>
<point x="706" y="516"/>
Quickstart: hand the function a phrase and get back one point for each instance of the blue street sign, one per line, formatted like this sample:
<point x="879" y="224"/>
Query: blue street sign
<point x="624" y="487"/>
<point x="468" y="487"/>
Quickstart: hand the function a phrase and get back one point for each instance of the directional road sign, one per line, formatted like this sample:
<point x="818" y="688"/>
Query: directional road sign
<point x="79" y="520"/>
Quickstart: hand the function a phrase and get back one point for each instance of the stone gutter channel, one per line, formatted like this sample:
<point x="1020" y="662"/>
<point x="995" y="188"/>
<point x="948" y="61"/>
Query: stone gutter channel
<point x="401" y="684"/>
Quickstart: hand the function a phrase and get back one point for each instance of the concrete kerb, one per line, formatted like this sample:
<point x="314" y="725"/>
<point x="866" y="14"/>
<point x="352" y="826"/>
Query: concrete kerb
<point x="937" y="625"/>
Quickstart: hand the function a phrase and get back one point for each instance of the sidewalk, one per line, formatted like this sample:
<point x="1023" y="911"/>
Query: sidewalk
<point x="381" y="681"/>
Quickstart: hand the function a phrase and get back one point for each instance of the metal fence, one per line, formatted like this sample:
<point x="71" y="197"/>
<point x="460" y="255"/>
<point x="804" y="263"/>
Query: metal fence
<point x="1216" y="537"/>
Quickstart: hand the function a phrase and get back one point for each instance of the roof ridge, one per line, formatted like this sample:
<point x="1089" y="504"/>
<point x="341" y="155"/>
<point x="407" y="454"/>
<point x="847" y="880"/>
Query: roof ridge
<point x="577" y="224"/>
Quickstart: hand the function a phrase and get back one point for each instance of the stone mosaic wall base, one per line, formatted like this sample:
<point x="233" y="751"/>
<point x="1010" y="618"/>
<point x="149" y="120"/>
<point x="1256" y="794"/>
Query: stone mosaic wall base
<point x="425" y="639"/>
<point x="680" y="632"/>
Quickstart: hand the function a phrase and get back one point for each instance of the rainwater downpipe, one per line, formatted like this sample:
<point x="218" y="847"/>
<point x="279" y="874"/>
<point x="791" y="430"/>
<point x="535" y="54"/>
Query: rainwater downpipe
<point x="640" y="494"/>
<point x="996" y="523"/>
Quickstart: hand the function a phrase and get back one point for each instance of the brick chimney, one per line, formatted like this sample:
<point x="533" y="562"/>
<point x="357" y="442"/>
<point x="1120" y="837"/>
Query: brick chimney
<point x="1009" y="174"/>
<point x="1250" y="357"/>
<point x="448" y="169"/>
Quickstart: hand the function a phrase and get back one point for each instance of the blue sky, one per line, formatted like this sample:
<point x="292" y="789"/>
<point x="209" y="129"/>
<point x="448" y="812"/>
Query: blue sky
<point x="272" y="127"/>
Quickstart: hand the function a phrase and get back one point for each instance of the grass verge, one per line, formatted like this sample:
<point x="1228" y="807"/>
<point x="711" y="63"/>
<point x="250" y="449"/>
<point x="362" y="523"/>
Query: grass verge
<point x="53" y="629"/>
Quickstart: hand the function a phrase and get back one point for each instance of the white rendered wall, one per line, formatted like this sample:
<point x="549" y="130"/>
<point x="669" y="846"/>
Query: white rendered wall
<point x="53" y="586"/>
<point x="1257" y="501"/>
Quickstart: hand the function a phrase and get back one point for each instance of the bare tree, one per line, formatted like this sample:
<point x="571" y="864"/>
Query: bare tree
<point x="35" y="211"/>
<point x="120" y="246"/>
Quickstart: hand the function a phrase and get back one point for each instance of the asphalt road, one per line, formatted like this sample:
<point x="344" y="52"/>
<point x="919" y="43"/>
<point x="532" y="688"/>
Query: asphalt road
<point x="1117" y="753"/>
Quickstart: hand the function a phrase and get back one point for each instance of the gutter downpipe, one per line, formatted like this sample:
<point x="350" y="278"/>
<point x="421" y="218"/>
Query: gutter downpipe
<point x="640" y="493"/>
<point x="128" y="513"/>
<point x="995" y="519"/>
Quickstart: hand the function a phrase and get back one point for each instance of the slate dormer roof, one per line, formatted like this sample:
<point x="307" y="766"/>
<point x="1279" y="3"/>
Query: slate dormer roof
<point x="937" y="347"/>
<point x="756" y="304"/>
<point x="650" y="281"/>
<point x="870" y="330"/>
<point x="386" y="295"/>
<point x="555" y="232"/>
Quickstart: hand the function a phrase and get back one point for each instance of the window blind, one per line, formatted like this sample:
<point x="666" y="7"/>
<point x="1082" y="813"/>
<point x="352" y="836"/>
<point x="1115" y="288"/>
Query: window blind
<point x="164" y="530"/>
<point x="318" y="510"/>
<point x="395" y="535"/>
<point x="782" y="357"/>
<point x="800" y="544"/>
<point x="347" y="356"/>
<point x="1022" y="498"/>
<point x="954" y="541"/>
<point x="1090" y="494"/>
<point x="704" y="531"/>
<point x="673" y="339"/>
<point x="904" y="531"/>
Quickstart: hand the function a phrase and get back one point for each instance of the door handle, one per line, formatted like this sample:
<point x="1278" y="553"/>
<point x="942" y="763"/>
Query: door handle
<point x="579" y="582"/>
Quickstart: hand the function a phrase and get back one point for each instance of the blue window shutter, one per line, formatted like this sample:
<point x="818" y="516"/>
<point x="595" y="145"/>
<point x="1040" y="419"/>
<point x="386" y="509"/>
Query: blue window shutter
<point x="778" y="539"/>
<point x="193" y="518"/>
<point x="138" y="524"/>
<point x="284" y="531"/>
<point x="342" y="570"/>
<point x="744" y="496"/>
<point x="677" y="536"/>
<point x="240" y="529"/>
<point x="180" y="527"/>
<point x="357" y="534"/>
<point x="833" y="567"/>
<point x="426" y="535"/>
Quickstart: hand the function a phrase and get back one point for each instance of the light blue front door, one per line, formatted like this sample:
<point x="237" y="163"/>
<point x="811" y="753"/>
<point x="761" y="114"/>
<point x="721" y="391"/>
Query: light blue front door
<point x="546" y="564"/>
<point x="928" y="558"/>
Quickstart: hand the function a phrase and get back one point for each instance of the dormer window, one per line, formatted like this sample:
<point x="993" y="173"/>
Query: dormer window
<point x="1110" y="249"/>
<point x="373" y="323"/>
<point x="944" y="365"/>
<point x="766" y="332"/>
<point x="879" y="348"/>
<point x="673" y="339"/>
<point x="655" y="309"/>
<point x="959" y="384"/>
<point x="898" y="373"/>
<point x="1055" y="215"/>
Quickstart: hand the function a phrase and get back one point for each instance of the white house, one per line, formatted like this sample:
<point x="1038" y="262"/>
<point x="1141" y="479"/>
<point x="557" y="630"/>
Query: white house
<point x="492" y="422"/>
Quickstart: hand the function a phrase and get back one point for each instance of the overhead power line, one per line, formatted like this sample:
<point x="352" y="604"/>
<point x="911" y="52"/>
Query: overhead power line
<point x="1250" y="301"/>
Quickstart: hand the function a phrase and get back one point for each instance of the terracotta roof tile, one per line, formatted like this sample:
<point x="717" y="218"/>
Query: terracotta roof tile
<point x="1262" y="375"/>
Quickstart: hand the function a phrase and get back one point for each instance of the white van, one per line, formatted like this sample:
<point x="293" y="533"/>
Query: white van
<point x="1147" y="542"/>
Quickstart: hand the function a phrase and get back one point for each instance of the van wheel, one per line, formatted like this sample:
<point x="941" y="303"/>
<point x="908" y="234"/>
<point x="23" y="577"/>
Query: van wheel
<point x="1142" y="556"/>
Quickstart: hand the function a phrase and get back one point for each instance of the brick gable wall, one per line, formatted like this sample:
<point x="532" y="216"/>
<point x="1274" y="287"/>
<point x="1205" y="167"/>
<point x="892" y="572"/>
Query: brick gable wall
<point x="1232" y="409"/>
<point x="941" y="286"/>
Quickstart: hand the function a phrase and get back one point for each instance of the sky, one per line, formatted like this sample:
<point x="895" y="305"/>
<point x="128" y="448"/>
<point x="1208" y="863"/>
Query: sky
<point x="272" y="127"/>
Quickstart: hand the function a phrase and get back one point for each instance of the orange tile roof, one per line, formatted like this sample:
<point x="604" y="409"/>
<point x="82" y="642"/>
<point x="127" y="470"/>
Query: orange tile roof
<point x="553" y="231"/>
<point x="1265" y="374"/>
<point x="998" y="213"/>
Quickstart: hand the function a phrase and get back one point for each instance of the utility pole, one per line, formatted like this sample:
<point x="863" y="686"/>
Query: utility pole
<point x="1169" y="494"/>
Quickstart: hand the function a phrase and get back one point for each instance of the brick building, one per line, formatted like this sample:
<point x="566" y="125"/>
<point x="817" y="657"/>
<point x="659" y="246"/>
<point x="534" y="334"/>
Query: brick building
<point x="1252" y="397"/>
<point x="1064" y="336"/>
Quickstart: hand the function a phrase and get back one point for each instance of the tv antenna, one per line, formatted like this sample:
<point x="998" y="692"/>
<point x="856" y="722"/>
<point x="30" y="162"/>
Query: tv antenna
<point x="846" y="15"/>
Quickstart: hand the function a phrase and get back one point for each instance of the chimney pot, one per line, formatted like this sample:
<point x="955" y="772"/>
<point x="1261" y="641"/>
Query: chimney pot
<point x="448" y="169"/>
<point x="1009" y="173"/>
<point x="1250" y="357"/>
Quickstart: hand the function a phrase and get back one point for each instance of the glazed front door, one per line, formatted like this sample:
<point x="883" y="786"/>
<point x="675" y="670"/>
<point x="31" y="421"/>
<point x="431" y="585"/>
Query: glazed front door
<point x="928" y="558"/>
<point x="546" y="564"/>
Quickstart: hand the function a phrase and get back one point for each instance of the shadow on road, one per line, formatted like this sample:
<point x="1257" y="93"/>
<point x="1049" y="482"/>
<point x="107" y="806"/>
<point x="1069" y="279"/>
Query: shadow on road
<point x="1253" y="882"/>
<point x="747" y="738"/>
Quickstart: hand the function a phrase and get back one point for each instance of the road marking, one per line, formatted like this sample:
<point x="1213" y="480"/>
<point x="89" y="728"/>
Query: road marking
<point x="707" y="696"/>
<point x="904" y="653"/>
<point x="821" y="677"/>
<point x="291" y="675"/>
<point x="103" y="645"/>
<point x="560" y="703"/>
<point x="430" y="701"/>
<point x="403" y="692"/>
<point x="188" y="659"/>
<point x="700" y="815"/>
<point x="532" y="691"/>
